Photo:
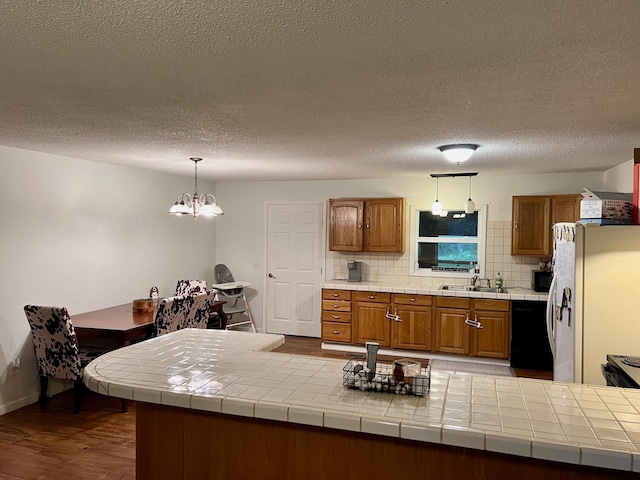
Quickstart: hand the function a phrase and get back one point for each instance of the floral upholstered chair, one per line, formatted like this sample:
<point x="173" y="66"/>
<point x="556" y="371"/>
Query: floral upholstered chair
<point x="57" y="351"/>
<point x="199" y="315"/>
<point x="184" y="311"/>
<point x="172" y="314"/>
<point x="190" y="287"/>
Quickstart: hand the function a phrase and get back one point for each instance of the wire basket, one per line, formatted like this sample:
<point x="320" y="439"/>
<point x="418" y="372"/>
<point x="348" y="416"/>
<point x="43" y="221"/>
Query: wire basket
<point x="386" y="378"/>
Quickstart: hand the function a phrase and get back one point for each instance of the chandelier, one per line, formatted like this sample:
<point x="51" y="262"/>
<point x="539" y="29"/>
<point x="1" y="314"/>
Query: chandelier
<point x="197" y="204"/>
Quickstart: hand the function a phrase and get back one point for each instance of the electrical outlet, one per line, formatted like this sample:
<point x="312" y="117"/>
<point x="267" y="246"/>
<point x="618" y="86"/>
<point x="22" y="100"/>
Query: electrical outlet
<point x="14" y="366"/>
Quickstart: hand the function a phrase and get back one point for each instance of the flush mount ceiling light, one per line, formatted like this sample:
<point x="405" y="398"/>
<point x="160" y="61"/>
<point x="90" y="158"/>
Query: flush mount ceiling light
<point x="458" y="152"/>
<point x="197" y="204"/>
<point x="469" y="205"/>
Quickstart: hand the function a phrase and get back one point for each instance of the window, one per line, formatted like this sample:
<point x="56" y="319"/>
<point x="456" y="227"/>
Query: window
<point x="451" y="245"/>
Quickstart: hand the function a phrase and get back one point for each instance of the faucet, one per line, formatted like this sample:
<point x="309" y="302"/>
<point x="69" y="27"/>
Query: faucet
<point x="475" y="279"/>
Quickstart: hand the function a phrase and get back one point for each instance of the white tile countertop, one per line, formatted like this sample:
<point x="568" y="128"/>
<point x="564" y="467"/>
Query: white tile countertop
<point x="234" y="373"/>
<point x="513" y="293"/>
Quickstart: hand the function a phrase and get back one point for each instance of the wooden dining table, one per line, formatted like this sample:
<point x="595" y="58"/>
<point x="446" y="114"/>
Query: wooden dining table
<point x="120" y="325"/>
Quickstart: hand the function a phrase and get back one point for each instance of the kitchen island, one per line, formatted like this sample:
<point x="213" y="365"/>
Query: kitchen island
<point x="219" y="404"/>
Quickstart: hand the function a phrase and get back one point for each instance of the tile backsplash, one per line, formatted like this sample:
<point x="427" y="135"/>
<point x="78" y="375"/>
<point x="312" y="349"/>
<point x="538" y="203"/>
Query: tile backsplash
<point x="394" y="267"/>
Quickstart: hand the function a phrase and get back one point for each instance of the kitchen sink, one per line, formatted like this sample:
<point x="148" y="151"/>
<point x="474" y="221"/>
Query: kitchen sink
<point x="460" y="288"/>
<point x="473" y="288"/>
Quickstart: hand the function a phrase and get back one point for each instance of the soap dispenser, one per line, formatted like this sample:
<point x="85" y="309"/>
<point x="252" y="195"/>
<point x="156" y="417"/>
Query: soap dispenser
<point x="498" y="281"/>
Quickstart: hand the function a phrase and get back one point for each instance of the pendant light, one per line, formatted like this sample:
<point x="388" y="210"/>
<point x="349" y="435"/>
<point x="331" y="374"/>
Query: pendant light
<point x="436" y="207"/>
<point x="469" y="205"/>
<point x="197" y="204"/>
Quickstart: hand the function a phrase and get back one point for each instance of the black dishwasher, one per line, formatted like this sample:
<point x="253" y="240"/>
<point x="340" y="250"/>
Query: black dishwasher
<point x="529" y="342"/>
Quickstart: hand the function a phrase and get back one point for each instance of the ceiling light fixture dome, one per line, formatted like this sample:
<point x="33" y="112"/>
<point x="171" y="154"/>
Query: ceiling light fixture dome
<point x="197" y="204"/>
<point x="458" y="152"/>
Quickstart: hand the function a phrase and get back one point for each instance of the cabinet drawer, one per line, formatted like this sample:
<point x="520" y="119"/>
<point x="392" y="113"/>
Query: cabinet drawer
<point x="337" y="306"/>
<point x="453" y="302"/>
<point x="336" y="316"/>
<point x="407" y="299"/>
<point x="372" y="297"/>
<point x="328" y="294"/>
<point x="336" y="332"/>
<point x="493" y="305"/>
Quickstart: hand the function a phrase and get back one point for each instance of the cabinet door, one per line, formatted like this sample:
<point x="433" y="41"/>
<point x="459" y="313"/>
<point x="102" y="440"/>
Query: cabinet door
<point x="384" y="220"/>
<point x="451" y="333"/>
<point x="531" y="226"/>
<point x="492" y="340"/>
<point x="346" y="225"/>
<point x="414" y="330"/>
<point x="565" y="208"/>
<point x="372" y="324"/>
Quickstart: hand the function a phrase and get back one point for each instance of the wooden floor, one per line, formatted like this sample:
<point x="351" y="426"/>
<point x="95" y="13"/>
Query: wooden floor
<point x="99" y="442"/>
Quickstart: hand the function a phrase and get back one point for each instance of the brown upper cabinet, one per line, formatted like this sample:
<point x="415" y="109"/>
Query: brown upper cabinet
<point x="532" y="219"/>
<point x="366" y="225"/>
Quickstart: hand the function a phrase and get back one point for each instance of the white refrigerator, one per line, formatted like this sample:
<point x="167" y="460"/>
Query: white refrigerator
<point x="593" y="307"/>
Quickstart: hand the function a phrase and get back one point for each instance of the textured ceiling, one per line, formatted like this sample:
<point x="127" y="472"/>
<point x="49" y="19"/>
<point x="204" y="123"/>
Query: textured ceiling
<point x="323" y="89"/>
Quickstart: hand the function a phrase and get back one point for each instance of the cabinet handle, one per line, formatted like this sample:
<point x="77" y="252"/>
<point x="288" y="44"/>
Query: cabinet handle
<point x="335" y="306"/>
<point x="367" y="225"/>
<point x="373" y="297"/>
<point x="413" y="299"/>
<point x="336" y="294"/>
<point x="516" y="225"/>
<point x="336" y="332"/>
<point x="336" y="317"/>
<point x="360" y="226"/>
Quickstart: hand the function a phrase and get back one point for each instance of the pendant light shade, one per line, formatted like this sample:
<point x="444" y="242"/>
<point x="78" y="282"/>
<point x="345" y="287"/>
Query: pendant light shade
<point x="469" y="205"/>
<point x="436" y="207"/>
<point x="459" y="152"/>
<point x="197" y="204"/>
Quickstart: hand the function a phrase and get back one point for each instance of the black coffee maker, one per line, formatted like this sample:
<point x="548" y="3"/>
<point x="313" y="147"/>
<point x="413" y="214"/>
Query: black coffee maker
<point x="355" y="271"/>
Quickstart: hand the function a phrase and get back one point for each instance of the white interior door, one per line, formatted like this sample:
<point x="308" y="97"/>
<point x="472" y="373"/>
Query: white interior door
<point x="295" y="246"/>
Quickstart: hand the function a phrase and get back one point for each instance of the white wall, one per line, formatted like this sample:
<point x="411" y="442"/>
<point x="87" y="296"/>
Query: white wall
<point x="240" y="231"/>
<point x="620" y="178"/>
<point x="86" y="235"/>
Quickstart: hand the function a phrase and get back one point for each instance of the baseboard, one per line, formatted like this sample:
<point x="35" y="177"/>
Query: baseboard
<point x="55" y="387"/>
<point x="17" y="404"/>
<point x="356" y="349"/>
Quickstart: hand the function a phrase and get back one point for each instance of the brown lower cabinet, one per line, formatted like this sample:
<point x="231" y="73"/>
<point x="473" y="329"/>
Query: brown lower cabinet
<point x="415" y="330"/>
<point x="371" y="323"/>
<point x="454" y="335"/>
<point x="336" y="315"/>
<point x="423" y="322"/>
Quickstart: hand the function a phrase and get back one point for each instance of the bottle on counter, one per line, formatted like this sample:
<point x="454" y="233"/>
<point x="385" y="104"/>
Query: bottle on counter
<point x="498" y="281"/>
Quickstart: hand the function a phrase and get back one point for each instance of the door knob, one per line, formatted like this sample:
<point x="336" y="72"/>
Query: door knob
<point x="271" y="275"/>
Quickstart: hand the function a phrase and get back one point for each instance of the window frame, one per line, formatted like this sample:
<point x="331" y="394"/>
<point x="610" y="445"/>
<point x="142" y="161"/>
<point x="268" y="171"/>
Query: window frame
<point x="415" y="271"/>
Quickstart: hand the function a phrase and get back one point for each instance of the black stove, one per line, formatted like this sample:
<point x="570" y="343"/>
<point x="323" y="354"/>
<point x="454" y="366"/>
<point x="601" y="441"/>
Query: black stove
<point x="622" y="371"/>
